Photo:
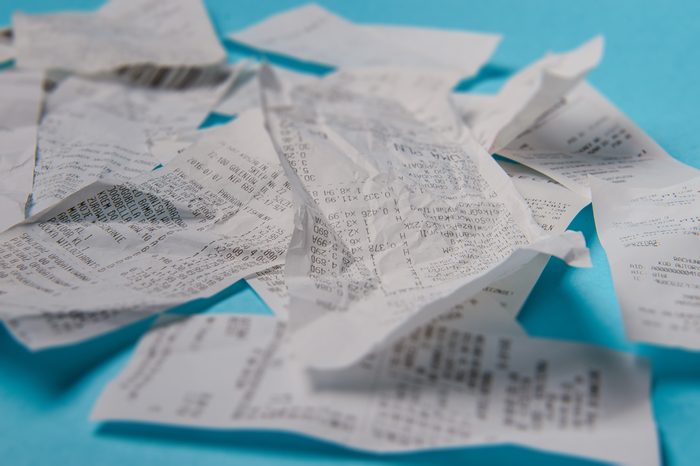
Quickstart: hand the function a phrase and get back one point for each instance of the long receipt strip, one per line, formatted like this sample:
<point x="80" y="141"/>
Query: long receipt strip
<point x="584" y="134"/>
<point x="405" y="226"/>
<point x="444" y="385"/>
<point x="112" y="254"/>
<point x="314" y="34"/>
<point x="176" y="33"/>
<point x="652" y="239"/>
<point x="21" y="96"/>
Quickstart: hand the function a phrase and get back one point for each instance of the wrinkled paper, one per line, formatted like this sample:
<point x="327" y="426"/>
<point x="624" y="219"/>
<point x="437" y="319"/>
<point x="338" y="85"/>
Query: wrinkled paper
<point x="553" y="207"/>
<point x="652" y="239"/>
<point x="496" y="120"/>
<point x="139" y="110"/>
<point x="393" y="225"/>
<point x="176" y="33"/>
<point x="444" y="385"/>
<point x="114" y="253"/>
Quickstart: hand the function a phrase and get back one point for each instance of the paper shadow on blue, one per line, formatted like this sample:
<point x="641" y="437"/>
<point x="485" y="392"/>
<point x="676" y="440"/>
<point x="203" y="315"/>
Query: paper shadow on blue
<point x="488" y="76"/>
<point x="216" y="119"/>
<point x="7" y="65"/>
<point x="556" y="310"/>
<point x="240" y="50"/>
<point x="306" y="449"/>
<point x="54" y="371"/>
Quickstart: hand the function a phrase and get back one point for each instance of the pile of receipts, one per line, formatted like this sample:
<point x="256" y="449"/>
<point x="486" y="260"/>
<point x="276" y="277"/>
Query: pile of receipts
<point x="365" y="207"/>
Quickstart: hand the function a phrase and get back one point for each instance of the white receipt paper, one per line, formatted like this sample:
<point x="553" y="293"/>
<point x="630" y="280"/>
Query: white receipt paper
<point x="496" y="120"/>
<point x="314" y="34"/>
<point x="120" y="33"/>
<point x="114" y="253"/>
<point x="444" y="385"/>
<point x="652" y="239"/>
<point x="584" y="134"/>
<point x="553" y="207"/>
<point x="394" y="224"/>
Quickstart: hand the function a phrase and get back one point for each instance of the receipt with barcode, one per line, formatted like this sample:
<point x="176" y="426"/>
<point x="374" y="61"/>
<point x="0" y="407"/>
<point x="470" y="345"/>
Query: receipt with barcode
<point x="113" y="253"/>
<point x="447" y="384"/>
<point x="652" y="239"/>
<point x="394" y="224"/>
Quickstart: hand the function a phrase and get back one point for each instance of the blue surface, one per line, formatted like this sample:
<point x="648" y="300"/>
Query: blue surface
<point x="650" y="71"/>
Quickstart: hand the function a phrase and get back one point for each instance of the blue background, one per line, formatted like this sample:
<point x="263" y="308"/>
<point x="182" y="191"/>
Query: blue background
<point x="650" y="71"/>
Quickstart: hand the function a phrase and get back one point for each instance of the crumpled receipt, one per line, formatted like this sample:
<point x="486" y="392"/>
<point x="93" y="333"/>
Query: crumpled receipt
<point x="652" y="239"/>
<point x="176" y="33"/>
<point x="394" y="225"/>
<point x="553" y="207"/>
<point x="7" y="52"/>
<point x="447" y="384"/>
<point x="114" y="253"/>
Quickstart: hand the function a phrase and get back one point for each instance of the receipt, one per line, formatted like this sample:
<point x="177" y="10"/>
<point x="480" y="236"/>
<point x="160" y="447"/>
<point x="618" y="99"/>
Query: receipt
<point x="423" y="92"/>
<point x="217" y="213"/>
<point x="138" y="107"/>
<point x="509" y="293"/>
<point x="584" y="134"/>
<point x="393" y="225"/>
<point x="314" y="34"/>
<point x="163" y="102"/>
<point x="21" y="97"/>
<point x="177" y="33"/>
<point x="7" y="52"/>
<point x="443" y="385"/>
<point x="553" y="207"/>
<point x="496" y="120"/>
<point x="652" y="239"/>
